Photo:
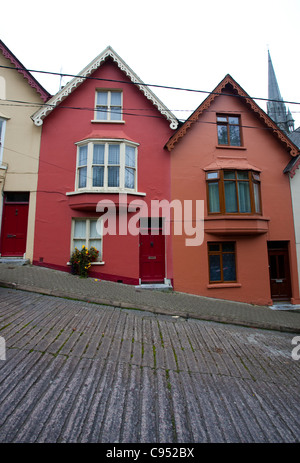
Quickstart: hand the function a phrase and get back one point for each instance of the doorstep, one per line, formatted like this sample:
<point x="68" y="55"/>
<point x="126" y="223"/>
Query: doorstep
<point x="14" y="260"/>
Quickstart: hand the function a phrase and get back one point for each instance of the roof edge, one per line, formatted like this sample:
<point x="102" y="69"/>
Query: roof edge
<point x="44" y="94"/>
<point x="293" y="149"/>
<point x="39" y="115"/>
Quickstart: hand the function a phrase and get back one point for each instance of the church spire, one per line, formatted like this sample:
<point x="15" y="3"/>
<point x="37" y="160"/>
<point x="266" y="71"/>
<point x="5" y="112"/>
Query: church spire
<point x="276" y="108"/>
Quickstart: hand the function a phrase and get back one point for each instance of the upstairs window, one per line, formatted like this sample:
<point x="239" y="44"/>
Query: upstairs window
<point x="233" y="192"/>
<point x="229" y="130"/>
<point x="108" y="105"/>
<point x="107" y="166"/>
<point x="2" y="130"/>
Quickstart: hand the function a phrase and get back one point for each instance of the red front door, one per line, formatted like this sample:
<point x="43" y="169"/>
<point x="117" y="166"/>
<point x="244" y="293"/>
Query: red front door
<point x="152" y="257"/>
<point x="14" y="229"/>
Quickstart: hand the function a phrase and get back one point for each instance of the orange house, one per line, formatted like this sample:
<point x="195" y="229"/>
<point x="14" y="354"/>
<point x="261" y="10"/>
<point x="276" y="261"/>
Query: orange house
<point x="231" y="155"/>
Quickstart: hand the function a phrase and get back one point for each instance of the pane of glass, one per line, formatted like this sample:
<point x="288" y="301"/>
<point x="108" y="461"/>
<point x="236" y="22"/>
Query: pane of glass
<point x="281" y="266"/>
<point x="102" y="98"/>
<point x="222" y="135"/>
<point x="222" y="118"/>
<point x="78" y="244"/>
<point x="98" y="176"/>
<point x="229" y="174"/>
<point x="244" y="197"/>
<point x="98" y="154"/>
<point x="228" y="247"/>
<point x="114" y="154"/>
<point x="230" y="197"/>
<point x="82" y="161"/>
<point x="242" y="175"/>
<point x="95" y="244"/>
<point x="235" y="139"/>
<point x="80" y="229"/>
<point x="229" y="267"/>
<point x="214" y="268"/>
<point x="93" y="229"/>
<point x="129" y="177"/>
<point x="101" y="113"/>
<point x="213" y="193"/>
<point x="130" y="156"/>
<point x="212" y="175"/>
<point x="82" y="175"/>
<point x="256" y="197"/>
<point x="214" y="247"/>
<point x="113" y="176"/>
<point x="233" y="120"/>
<point x="115" y="99"/>
<point x="115" y="114"/>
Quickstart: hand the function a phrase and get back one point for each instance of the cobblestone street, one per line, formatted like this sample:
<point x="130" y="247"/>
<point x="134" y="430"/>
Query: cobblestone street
<point x="79" y="372"/>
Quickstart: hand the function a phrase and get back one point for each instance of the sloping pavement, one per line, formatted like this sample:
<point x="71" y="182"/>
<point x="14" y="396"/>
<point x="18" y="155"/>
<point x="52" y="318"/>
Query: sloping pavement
<point x="62" y="284"/>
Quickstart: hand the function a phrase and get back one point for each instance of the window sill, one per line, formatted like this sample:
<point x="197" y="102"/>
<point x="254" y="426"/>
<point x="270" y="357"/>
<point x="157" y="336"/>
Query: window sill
<point x="3" y="167"/>
<point x="112" y="191"/>
<point x="96" y="121"/>
<point x="223" y="285"/>
<point x="229" y="147"/>
<point x="92" y="263"/>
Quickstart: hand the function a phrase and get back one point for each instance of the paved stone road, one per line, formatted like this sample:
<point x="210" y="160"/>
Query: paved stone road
<point x="79" y="372"/>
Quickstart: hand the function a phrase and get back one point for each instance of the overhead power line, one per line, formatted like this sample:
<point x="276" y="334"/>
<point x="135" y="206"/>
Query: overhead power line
<point x="61" y="75"/>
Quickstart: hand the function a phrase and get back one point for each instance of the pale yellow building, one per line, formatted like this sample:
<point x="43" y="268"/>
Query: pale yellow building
<point x="20" y="96"/>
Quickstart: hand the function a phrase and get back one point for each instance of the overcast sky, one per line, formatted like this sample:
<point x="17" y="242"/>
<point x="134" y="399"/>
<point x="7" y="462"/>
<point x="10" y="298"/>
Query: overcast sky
<point x="188" y="44"/>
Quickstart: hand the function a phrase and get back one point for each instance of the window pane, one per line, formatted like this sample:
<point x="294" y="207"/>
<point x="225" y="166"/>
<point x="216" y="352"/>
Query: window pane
<point x="233" y="120"/>
<point x="82" y="176"/>
<point x="102" y="98"/>
<point x="129" y="177"/>
<point x="115" y="114"/>
<point x="222" y="135"/>
<point x="114" y="154"/>
<point x="113" y="176"/>
<point x="235" y="139"/>
<point x="98" y="154"/>
<point x="93" y="229"/>
<point x="244" y="197"/>
<point x="82" y="161"/>
<point x="228" y="247"/>
<point x="102" y="113"/>
<point x="222" y="118"/>
<point x="79" y="243"/>
<point x="214" y="268"/>
<point x="80" y="229"/>
<point x="213" y="193"/>
<point x="256" y="197"/>
<point x="229" y="174"/>
<point x="212" y="175"/>
<point x="230" y="197"/>
<point x="214" y="247"/>
<point x="130" y="156"/>
<point x="229" y="267"/>
<point x="98" y="176"/>
<point x="242" y="175"/>
<point x="115" y="99"/>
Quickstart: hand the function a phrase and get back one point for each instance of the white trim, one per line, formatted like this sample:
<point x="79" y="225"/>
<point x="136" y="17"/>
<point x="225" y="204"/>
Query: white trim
<point x="2" y="136"/>
<point x="87" y="235"/>
<point x="43" y="112"/>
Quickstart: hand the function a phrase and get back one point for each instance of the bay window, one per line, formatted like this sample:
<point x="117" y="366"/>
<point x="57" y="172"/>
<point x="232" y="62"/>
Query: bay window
<point x="107" y="165"/>
<point x="233" y="192"/>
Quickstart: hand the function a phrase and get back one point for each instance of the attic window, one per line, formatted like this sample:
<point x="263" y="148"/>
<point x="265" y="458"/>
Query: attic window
<point x="108" y="105"/>
<point x="229" y="130"/>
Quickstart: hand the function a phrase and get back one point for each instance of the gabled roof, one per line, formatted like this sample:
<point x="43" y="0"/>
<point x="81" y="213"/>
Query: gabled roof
<point x="87" y="71"/>
<point x="229" y="83"/>
<point x="22" y="70"/>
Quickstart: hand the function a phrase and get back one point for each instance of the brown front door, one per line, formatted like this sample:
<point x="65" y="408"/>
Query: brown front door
<point x="279" y="271"/>
<point x="14" y="224"/>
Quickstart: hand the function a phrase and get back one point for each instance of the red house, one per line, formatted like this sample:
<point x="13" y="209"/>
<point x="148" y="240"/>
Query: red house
<point x="232" y="156"/>
<point x="103" y="139"/>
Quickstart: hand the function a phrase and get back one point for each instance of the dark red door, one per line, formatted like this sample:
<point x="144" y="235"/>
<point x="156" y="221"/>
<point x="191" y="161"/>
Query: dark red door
<point x="14" y="229"/>
<point x="152" y="257"/>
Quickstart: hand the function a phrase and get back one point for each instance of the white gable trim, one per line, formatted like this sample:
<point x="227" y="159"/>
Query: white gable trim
<point x="86" y="72"/>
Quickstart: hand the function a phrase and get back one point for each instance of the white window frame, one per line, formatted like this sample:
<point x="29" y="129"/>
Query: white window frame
<point x="89" y="180"/>
<point x="108" y="117"/>
<point x="2" y="135"/>
<point x="88" y="238"/>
